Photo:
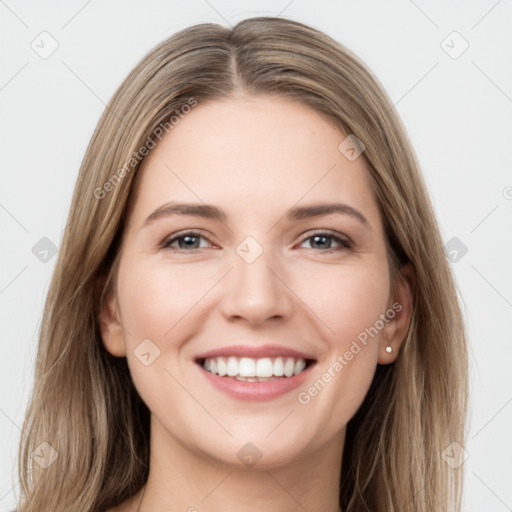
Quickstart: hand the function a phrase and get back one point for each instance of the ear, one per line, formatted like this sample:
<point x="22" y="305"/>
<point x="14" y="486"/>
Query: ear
<point x="109" y="320"/>
<point x="399" y="313"/>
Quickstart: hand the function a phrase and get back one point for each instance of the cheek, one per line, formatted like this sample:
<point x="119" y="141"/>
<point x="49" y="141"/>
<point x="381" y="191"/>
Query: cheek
<point x="348" y="299"/>
<point x="352" y="309"/>
<point x="162" y="308"/>
<point x="155" y="303"/>
<point x="155" y="297"/>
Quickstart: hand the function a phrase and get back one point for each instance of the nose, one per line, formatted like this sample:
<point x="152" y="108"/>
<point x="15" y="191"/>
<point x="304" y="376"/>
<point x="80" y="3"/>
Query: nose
<point x="257" y="291"/>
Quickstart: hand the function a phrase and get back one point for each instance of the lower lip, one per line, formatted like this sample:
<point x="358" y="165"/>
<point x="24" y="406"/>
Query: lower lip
<point x="255" y="391"/>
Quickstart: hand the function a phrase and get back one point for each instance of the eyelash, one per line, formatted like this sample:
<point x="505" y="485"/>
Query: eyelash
<point x="345" y="243"/>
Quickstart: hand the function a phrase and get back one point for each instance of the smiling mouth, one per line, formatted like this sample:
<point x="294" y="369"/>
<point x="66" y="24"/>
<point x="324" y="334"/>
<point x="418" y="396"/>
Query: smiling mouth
<point x="247" y="369"/>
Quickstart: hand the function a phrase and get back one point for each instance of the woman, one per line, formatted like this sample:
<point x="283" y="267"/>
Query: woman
<point x="251" y="308"/>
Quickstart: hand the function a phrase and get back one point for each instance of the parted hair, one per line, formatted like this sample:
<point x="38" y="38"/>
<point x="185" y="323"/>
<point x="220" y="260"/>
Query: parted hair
<point x="84" y="404"/>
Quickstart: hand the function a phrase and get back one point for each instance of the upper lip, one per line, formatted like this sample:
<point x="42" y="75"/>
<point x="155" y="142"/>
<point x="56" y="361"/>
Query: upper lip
<point x="254" y="352"/>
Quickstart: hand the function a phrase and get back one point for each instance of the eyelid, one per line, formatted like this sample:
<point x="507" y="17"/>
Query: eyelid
<point x="344" y="240"/>
<point x="330" y="232"/>
<point x="181" y="234"/>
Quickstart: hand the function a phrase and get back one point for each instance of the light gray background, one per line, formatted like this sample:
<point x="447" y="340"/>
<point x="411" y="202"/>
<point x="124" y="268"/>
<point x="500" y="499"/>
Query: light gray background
<point x="458" y="113"/>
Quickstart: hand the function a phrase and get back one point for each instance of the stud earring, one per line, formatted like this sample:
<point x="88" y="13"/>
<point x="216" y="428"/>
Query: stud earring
<point x="389" y="349"/>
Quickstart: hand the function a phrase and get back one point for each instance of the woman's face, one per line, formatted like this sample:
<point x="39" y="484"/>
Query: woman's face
<point x="277" y="260"/>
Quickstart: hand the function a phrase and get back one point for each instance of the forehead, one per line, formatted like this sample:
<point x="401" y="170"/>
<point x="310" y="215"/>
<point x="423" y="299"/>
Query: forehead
<point x="253" y="155"/>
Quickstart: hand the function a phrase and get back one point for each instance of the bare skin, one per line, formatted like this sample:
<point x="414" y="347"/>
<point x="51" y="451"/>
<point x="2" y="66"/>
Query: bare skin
<point x="254" y="157"/>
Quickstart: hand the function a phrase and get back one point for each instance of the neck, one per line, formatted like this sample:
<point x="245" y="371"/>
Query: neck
<point x="182" y="480"/>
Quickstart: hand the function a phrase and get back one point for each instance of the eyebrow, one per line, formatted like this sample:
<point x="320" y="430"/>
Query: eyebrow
<point x="212" y="212"/>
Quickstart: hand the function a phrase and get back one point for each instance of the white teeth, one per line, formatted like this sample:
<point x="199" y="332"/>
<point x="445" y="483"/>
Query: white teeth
<point x="222" y="368"/>
<point x="255" y="379"/>
<point x="232" y="367"/>
<point x="299" y="366"/>
<point x="264" y="367"/>
<point x="288" y="367"/>
<point x="279" y="367"/>
<point x="247" y="379"/>
<point x="247" y="367"/>
<point x="254" y="370"/>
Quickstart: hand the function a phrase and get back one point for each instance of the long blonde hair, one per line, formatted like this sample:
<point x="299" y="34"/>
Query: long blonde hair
<point x="84" y="404"/>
